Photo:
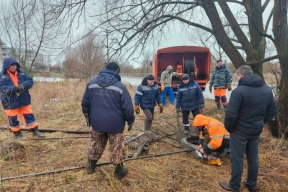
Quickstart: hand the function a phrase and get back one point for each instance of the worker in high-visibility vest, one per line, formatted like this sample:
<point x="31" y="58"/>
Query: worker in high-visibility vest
<point x="14" y="86"/>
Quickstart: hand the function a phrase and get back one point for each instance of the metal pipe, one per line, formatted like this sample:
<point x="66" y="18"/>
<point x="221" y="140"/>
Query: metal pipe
<point x="55" y="138"/>
<point x="99" y="164"/>
<point x="51" y="130"/>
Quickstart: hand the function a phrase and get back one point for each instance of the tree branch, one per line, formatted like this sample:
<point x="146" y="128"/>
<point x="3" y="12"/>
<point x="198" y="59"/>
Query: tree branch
<point x="239" y="47"/>
<point x="247" y="47"/>
<point x="268" y="20"/>
<point x="264" y="60"/>
<point x="234" y="1"/>
<point x="190" y="23"/>
<point x="263" y="34"/>
<point x="265" y="5"/>
<point x="234" y="40"/>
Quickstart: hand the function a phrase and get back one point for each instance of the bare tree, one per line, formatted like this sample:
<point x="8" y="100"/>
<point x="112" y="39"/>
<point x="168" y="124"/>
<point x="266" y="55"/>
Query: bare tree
<point x="146" y="63"/>
<point x="86" y="59"/>
<point x="29" y="28"/>
<point x="134" y="24"/>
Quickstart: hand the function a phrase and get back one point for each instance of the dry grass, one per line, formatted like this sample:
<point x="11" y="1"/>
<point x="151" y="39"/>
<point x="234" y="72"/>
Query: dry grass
<point x="57" y="105"/>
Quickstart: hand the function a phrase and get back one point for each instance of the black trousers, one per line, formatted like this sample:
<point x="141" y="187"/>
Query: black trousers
<point x="241" y="144"/>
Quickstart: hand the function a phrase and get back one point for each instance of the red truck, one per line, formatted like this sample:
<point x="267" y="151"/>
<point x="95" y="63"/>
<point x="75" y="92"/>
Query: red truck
<point x="191" y="60"/>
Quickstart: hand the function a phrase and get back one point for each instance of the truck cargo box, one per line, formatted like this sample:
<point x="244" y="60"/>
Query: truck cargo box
<point x="192" y="60"/>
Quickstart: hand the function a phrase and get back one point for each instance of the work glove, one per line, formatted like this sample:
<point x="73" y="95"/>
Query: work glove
<point x="199" y="147"/>
<point x="137" y="109"/>
<point x="88" y="119"/>
<point x="229" y="87"/>
<point x="20" y="88"/>
<point x="201" y="106"/>
<point x="160" y="107"/>
<point x="210" y="89"/>
<point x="162" y="88"/>
<point x="177" y="110"/>
<point x="130" y="126"/>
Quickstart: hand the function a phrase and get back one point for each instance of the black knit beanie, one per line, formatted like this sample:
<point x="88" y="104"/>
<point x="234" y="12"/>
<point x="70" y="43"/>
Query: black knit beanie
<point x="113" y="66"/>
<point x="150" y="77"/>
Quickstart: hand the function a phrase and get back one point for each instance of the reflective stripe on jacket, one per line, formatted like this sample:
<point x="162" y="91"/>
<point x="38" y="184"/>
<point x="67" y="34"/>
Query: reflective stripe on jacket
<point x="147" y="96"/>
<point x="189" y="96"/>
<point x="214" y="128"/>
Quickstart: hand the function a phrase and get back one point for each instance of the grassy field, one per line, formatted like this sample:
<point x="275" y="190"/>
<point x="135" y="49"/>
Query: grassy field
<point x="57" y="105"/>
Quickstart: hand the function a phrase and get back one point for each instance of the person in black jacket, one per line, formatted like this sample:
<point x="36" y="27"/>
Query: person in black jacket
<point x="251" y="106"/>
<point x="189" y="98"/>
<point x="147" y="95"/>
<point x="107" y="105"/>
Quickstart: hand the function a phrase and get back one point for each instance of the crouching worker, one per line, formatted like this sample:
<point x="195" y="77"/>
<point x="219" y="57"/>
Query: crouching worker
<point x="147" y="95"/>
<point x="189" y="98"/>
<point x="213" y="137"/>
<point x="14" y="86"/>
<point x="107" y="105"/>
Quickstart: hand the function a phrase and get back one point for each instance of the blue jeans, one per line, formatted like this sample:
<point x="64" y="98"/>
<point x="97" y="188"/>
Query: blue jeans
<point x="239" y="145"/>
<point x="170" y="92"/>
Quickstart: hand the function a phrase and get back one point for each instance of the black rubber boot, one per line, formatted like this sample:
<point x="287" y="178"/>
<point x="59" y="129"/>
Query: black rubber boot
<point x="147" y="125"/>
<point x="120" y="171"/>
<point x="37" y="133"/>
<point x="91" y="165"/>
<point x="218" y="106"/>
<point x="18" y="135"/>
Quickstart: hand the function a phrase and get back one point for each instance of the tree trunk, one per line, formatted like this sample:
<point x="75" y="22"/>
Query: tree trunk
<point x="280" y="30"/>
<point x="258" y="42"/>
<point x="220" y="34"/>
<point x="255" y="49"/>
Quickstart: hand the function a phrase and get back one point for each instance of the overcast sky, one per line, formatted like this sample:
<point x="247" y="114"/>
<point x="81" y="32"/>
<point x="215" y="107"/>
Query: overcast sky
<point x="175" y="34"/>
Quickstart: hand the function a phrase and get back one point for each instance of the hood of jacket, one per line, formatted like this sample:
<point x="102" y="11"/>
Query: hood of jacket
<point x="201" y="120"/>
<point x="107" y="77"/>
<point x="7" y="62"/>
<point x="169" y="67"/>
<point x="252" y="80"/>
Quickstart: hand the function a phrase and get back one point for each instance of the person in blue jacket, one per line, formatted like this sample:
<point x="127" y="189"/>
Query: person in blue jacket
<point x="189" y="98"/>
<point x="107" y="105"/>
<point x="147" y="95"/>
<point x="14" y="88"/>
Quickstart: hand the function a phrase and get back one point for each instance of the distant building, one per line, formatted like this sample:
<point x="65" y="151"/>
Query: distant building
<point x="6" y="51"/>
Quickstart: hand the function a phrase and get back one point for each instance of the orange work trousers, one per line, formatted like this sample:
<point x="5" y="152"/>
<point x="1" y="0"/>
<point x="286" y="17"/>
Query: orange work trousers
<point x="220" y="96"/>
<point x="27" y="117"/>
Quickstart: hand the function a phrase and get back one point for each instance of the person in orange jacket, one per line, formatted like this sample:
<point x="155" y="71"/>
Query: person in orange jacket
<point x="15" y="97"/>
<point x="213" y="137"/>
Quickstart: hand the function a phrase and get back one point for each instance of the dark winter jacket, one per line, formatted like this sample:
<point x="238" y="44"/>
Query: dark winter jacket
<point x="189" y="96"/>
<point x="221" y="77"/>
<point x="146" y="96"/>
<point x="10" y="99"/>
<point x="251" y="105"/>
<point x="108" y="103"/>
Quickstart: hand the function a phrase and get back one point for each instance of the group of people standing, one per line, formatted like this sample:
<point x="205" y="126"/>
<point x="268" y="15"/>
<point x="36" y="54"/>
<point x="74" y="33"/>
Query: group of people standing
<point x="107" y="107"/>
